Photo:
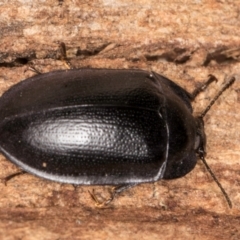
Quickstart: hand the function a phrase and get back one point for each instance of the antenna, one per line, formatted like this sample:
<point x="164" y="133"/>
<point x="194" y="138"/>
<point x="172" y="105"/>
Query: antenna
<point x="216" y="180"/>
<point x="201" y="151"/>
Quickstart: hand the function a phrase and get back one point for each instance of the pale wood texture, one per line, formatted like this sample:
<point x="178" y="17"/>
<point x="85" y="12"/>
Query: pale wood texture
<point x="183" y="40"/>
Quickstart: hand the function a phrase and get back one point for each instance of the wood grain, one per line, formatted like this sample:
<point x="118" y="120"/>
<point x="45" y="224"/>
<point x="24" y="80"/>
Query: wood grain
<point x="183" y="40"/>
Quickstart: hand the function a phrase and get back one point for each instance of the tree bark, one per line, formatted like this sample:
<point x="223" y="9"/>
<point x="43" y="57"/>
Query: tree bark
<point x="183" y="40"/>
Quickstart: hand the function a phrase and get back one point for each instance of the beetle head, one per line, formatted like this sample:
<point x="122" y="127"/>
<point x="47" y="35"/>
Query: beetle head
<point x="200" y="141"/>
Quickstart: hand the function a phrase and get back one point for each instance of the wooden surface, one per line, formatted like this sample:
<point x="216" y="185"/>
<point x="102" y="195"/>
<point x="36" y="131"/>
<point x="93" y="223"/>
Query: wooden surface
<point x="183" y="40"/>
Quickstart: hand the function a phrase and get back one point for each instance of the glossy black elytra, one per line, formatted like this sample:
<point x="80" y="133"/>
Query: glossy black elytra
<point x="101" y="127"/>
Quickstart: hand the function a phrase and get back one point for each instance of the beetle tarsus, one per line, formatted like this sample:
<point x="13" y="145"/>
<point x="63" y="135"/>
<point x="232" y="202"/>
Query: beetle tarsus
<point x="11" y="176"/>
<point x="113" y="192"/>
<point x="98" y="202"/>
<point x="225" y="87"/>
<point x="203" y="87"/>
<point x="32" y="68"/>
<point x="63" y="55"/>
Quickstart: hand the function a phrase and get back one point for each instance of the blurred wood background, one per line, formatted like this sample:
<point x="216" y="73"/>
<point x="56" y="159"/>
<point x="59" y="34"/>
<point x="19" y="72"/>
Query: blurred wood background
<point x="184" y="40"/>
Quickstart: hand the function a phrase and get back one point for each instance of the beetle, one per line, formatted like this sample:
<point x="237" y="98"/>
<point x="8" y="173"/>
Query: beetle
<point x="101" y="127"/>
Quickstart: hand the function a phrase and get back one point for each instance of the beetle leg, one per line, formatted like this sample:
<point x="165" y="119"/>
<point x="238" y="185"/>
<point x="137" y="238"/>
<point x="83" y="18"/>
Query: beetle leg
<point x="119" y="189"/>
<point x="114" y="192"/>
<point x="9" y="177"/>
<point x="203" y="87"/>
<point x="226" y="86"/>
<point x="32" y="68"/>
<point x="63" y="55"/>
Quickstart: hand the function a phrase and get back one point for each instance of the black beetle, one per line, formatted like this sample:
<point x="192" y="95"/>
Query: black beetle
<point x="101" y="127"/>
